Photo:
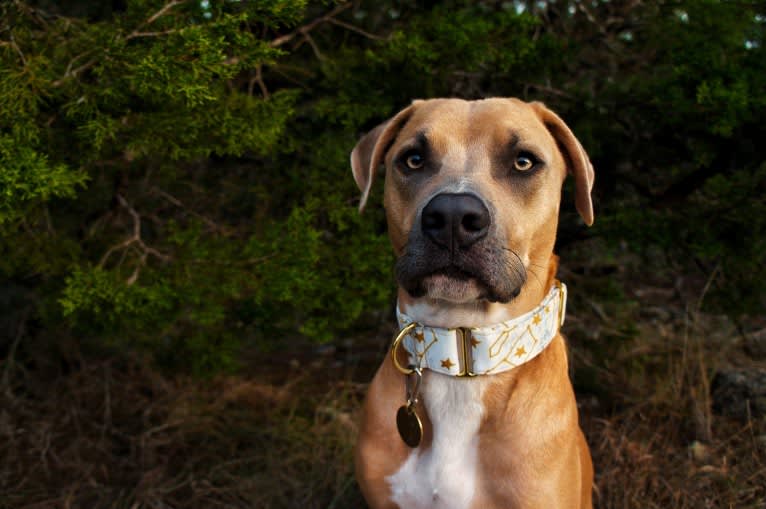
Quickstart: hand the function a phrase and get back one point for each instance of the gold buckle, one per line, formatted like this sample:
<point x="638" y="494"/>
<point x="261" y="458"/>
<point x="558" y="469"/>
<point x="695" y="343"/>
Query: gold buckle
<point x="395" y="346"/>
<point x="464" y="337"/>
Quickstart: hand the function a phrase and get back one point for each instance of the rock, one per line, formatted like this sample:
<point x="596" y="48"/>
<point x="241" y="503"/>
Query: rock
<point x="740" y="393"/>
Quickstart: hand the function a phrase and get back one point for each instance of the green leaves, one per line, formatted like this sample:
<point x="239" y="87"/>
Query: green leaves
<point x="174" y="175"/>
<point x="27" y="177"/>
<point x="130" y="103"/>
<point x="468" y="38"/>
<point x="109" y="302"/>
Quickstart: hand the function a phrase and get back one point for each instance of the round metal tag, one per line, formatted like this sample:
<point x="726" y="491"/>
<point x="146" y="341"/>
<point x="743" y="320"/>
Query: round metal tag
<point x="409" y="426"/>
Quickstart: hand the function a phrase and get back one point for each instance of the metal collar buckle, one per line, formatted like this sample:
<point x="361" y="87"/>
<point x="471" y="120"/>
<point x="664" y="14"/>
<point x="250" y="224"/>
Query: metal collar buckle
<point x="395" y="346"/>
<point x="463" y="336"/>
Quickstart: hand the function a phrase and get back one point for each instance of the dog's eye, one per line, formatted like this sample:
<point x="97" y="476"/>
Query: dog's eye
<point x="414" y="161"/>
<point x="524" y="162"/>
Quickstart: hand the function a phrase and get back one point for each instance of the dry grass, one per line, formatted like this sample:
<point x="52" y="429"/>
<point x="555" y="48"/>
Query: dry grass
<point x="117" y="435"/>
<point x="113" y="433"/>
<point x="664" y="448"/>
<point x="648" y="354"/>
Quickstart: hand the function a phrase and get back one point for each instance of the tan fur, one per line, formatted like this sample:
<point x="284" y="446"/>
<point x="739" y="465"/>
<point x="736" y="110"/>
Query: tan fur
<point x="532" y="453"/>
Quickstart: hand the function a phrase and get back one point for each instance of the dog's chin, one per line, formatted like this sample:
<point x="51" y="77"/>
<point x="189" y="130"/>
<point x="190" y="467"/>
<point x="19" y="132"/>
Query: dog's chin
<point x="452" y="289"/>
<point x="460" y="289"/>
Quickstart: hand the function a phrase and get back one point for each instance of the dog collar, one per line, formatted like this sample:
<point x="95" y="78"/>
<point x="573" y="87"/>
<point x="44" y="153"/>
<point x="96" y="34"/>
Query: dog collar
<point x="482" y="350"/>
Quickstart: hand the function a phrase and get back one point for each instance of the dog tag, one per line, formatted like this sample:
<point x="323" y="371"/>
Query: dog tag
<point x="409" y="425"/>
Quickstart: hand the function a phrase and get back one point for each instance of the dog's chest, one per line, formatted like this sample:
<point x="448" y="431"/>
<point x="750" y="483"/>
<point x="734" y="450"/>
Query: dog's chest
<point x="444" y="475"/>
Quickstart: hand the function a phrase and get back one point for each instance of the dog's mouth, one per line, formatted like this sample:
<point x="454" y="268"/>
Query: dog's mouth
<point x="454" y="272"/>
<point x="492" y="277"/>
<point x="453" y="284"/>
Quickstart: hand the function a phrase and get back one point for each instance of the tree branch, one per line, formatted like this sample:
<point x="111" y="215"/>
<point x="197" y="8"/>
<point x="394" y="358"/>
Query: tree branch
<point x="352" y="28"/>
<point x="164" y="10"/>
<point x="178" y="203"/>
<point x="134" y="239"/>
<point x="135" y="35"/>
<point x="18" y="50"/>
<point x="258" y="78"/>
<point x="72" y="73"/>
<point x="305" y="29"/>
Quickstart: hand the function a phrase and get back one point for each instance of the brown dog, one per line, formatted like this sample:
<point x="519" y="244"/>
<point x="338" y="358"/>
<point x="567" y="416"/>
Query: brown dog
<point x="472" y="192"/>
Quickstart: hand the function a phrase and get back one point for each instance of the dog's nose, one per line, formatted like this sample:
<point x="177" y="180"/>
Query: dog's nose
<point x="455" y="220"/>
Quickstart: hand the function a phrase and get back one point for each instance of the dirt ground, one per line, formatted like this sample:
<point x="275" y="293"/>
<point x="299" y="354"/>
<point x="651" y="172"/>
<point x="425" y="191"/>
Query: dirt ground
<point x="111" y="431"/>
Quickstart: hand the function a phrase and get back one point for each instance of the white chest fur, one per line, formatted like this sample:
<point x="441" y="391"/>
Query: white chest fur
<point x="444" y="475"/>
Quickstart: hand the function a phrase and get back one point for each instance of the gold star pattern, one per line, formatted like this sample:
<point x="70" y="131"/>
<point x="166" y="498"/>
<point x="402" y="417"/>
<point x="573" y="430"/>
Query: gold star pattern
<point x="419" y="337"/>
<point x="536" y="319"/>
<point x="446" y="363"/>
<point x="520" y="351"/>
<point x="475" y="342"/>
<point x="547" y="309"/>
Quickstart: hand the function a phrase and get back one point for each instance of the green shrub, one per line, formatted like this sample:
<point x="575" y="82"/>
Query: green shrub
<point x="174" y="174"/>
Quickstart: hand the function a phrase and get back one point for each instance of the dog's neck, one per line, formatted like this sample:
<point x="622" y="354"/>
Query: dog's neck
<point x="448" y="315"/>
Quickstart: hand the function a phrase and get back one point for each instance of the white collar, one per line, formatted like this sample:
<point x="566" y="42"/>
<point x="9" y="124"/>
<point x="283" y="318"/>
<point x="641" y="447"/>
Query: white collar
<point x="490" y="349"/>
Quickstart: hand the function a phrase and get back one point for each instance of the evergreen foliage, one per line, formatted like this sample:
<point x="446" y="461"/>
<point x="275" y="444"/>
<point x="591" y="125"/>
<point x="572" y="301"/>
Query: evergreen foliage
<point x="174" y="174"/>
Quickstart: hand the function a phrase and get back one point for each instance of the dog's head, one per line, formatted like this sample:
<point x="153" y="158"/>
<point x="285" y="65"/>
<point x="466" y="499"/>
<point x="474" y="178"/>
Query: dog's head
<point x="472" y="193"/>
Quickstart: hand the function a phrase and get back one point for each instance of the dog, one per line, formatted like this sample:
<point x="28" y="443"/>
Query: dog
<point x="474" y="407"/>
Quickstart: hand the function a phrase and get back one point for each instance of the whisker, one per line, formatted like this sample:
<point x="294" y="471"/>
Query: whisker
<point x="517" y="268"/>
<point x="537" y="278"/>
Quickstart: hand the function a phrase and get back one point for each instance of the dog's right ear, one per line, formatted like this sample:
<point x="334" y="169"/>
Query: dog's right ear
<point x="371" y="150"/>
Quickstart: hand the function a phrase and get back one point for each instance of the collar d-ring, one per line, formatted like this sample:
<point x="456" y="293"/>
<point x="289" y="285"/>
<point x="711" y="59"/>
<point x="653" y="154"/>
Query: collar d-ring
<point x="395" y="346"/>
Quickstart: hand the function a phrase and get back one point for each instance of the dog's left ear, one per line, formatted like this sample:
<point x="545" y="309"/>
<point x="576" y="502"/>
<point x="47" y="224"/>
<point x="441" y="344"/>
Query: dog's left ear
<point x="371" y="149"/>
<point x="578" y="163"/>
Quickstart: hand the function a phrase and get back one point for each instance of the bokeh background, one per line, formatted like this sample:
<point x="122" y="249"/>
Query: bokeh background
<point x="191" y="306"/>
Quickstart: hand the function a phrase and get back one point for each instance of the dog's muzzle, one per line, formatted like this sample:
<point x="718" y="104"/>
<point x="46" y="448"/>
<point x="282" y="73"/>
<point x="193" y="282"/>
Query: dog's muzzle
<point x="455" y="240"/>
